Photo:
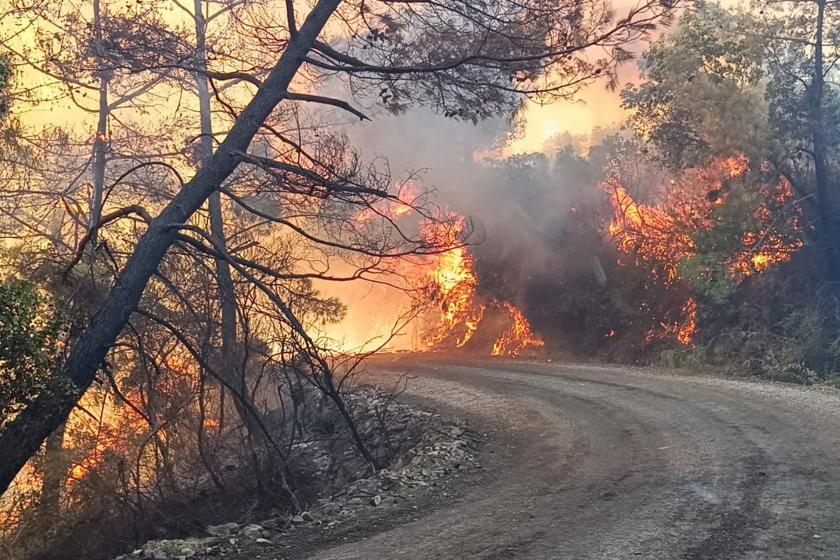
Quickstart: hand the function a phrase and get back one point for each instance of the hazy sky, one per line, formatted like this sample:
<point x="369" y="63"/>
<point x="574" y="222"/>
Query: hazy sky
<point x="593" y="107"/>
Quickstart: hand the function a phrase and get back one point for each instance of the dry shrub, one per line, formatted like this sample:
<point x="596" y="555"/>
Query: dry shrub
<point x="782" y="325"/>
<point x="127" y="498"/>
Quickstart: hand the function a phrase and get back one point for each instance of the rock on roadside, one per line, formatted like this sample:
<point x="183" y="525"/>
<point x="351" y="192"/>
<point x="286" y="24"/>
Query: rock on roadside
<point x="445" y="447"/>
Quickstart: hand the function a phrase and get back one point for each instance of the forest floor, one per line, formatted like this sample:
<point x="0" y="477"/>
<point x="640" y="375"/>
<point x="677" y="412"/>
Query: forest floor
<point x="585" y="462"/>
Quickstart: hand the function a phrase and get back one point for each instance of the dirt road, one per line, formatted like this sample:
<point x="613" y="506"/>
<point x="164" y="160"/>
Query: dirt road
<point x="606" y="463"/>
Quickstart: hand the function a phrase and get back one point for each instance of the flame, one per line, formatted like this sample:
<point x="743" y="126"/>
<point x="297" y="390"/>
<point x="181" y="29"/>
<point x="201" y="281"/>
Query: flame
<point x="686" y="331"/>
<point x="454" y="286"/>
<point x="81" y="470"/>
<point x="661" y="236"/>
<point x="471" y="326"/>
<point x="518" y="337"/>
<point x="648" y="233"/>
<point x="737" y="165"/>
<point x="400" y="204"/>
<point x="109" y="433"/>
<point x="447" y="283"/>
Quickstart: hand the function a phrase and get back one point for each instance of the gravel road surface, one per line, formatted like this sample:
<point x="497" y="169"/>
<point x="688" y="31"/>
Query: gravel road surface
<point x="613" y="463"/>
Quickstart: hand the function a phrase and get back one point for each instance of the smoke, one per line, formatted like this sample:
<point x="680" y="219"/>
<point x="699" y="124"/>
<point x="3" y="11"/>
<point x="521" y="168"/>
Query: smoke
<point x="526" y="211"/>
<point x="528" y="188"/>
<point x="534" y="203"/>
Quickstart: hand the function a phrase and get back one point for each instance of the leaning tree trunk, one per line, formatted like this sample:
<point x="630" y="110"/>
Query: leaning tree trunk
<point x="23" y="436"/>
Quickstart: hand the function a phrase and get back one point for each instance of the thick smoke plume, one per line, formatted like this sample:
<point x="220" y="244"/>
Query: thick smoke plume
<point x="532" y="216"/>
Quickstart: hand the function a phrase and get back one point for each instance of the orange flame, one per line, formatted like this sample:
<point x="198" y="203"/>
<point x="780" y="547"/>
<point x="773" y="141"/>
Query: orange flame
<point x="454" y="285"/>
<point x="649" y="233"/>
<point x="688" y="328"/>
<point x="398" y="205"/>
<point x="518" y="337"/>
<point x="662" y="235"/>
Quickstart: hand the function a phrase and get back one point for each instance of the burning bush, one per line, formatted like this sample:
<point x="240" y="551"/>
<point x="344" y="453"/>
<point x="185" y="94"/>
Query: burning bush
<point x="465" y="319"/>
<point x="698" y="232"/>
<point x="651" y="263"/>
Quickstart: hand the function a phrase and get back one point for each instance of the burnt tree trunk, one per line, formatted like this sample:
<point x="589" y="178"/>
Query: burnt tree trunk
<point x="23" y="436"/>
<point x="55" y="470"/>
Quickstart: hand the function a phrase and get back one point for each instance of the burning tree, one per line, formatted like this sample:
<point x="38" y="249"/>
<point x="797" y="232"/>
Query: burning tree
<point x="465" y="318"/>
<point x="716" y="107"/>
<point x="704" y="230"/>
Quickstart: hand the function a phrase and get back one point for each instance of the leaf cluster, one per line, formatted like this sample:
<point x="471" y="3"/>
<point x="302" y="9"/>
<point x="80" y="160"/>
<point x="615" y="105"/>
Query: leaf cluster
<point x="33" y="334"/>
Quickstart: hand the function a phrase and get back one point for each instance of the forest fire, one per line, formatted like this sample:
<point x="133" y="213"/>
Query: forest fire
<point x="398" y="205"/>
<point x="453" y="285"/>
<point x="441" y="290"/>
<point x="684" y="330"/>
<point x="648" y="233"/>
<point x="663" y="237"/>
<point x="216" y="214"/>
<point x="518" y="337"/>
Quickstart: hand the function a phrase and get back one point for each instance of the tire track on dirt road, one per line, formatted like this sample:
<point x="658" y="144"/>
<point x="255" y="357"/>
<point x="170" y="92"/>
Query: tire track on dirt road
<point x="614" y="463"/>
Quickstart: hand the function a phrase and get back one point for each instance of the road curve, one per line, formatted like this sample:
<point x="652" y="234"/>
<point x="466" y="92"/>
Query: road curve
<point x="613" y="463"/>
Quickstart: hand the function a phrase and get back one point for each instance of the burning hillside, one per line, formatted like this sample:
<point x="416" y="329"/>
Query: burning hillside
<point x="218" y="212"/>
<point x="429" y="302"/>
<point x="665" y="233"/>
<point x="586" y="267"/>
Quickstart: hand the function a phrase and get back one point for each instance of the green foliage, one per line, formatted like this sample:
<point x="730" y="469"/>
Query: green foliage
<point x="727" y="82"/>
<point x="32" y="336"/>
<point x="9" y="125"/>
<point x="683" y="358"/>
<point x="702" y="90"/>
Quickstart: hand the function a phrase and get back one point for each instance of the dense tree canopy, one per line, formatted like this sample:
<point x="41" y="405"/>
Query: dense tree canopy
<point x="33" y="335"/>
